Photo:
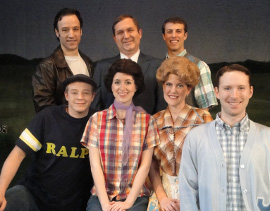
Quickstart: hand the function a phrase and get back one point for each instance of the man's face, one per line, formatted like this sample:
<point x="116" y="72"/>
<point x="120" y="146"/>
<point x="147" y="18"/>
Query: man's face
<point x="175" y="37"/>
<point x="234" y="92"/>
<point x="127" y="37"/>
<point x="69" y="33"/>
<point x="79" y="96"/>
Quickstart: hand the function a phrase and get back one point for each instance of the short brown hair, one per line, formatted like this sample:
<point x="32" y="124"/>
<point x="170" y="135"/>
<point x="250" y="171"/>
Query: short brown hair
<point x="187" y="71"/>
<point x="175" y="20"/>
<point x="231" y="68"/>
<point x="122" y="17"/>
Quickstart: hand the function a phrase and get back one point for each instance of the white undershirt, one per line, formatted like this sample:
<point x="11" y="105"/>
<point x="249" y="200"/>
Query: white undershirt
<point x="134" y="58"/>
<point x="77" y="65"/>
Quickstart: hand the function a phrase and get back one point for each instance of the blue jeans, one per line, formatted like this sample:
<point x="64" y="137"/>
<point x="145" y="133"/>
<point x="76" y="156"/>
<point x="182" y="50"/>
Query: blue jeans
<point x="140" y="204"/>
<point x="20" y="198"/>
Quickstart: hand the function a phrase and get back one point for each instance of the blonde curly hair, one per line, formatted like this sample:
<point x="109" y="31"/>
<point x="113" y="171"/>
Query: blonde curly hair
<point x="187" y="71"/>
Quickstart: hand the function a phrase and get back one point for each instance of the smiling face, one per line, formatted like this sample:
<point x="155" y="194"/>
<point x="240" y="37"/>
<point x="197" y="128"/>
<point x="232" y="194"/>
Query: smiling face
<point x="234" y="92"/>
<point x="127" y="37"/>
<point x="69" y="33"/>
<point x="175" y="92"/>
<point x="79" y="96"/>
<point x="174" y="36"/>
<point x="123" y="88"/>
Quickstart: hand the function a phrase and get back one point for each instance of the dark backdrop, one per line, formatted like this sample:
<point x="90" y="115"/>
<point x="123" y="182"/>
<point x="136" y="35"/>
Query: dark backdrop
<point x="219" y="30"/>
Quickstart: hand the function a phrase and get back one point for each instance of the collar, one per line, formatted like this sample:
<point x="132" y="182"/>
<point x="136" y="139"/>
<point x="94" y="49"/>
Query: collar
<point x="183" y="120"/>
<point x="183" y="53"/>
<point x="134" y="58"/>
<point x="243" y="124"/>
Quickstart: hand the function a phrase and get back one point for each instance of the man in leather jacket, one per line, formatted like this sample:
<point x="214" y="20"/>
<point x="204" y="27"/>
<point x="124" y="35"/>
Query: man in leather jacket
<point x="65" y="61"/>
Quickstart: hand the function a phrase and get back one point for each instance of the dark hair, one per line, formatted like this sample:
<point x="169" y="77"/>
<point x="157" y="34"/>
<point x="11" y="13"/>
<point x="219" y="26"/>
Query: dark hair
<point x="64" y="12"/>
<point x="175" y="20"/>
<point x="231" y="68"/>
<point x="128" y="67"/>
<point x="122" y="17"/>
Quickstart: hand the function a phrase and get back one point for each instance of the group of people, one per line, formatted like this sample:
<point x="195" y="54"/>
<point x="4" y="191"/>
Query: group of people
<point x="136" y="131"/>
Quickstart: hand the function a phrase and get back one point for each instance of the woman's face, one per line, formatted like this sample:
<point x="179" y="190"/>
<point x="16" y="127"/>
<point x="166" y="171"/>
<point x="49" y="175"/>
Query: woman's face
<point x="175" y="91"/>
<point x="123" y="88"/>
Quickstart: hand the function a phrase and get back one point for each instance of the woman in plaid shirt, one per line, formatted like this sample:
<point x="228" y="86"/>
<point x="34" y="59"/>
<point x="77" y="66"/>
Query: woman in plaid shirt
<point x="121" y="141"/>
<point x="178" y="77"/>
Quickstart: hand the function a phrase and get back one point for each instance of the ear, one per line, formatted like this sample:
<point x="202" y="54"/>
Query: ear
<point x="189" y="89"/>
<point x="57" y="32"/>
<point x="66" y="95"/>
<point x="140" y="32"/>
<point x="217" y="92"/>
<point x="163" y="36"/>
<point x="251" y="91"/>
<point x="186" y="35"/>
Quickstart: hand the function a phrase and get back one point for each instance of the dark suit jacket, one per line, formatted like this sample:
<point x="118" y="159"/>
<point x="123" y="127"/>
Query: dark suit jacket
<point x="151" y="99"/>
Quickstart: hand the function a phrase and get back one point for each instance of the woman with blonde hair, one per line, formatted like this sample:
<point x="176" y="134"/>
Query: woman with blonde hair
<point x="178" y="76"/>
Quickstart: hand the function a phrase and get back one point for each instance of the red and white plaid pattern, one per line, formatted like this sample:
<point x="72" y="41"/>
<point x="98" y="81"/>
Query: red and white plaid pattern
<point x="172" y="135"/>
<point x="105" y="131"/>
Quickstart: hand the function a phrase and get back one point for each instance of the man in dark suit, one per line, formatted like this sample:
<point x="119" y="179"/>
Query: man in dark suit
<point x="127" y="35"/>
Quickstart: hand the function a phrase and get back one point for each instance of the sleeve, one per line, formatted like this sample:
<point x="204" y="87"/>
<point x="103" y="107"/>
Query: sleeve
<point x="188" y="178"/>
<point x="152" y="136"/>
<point x="207" y="117"/>
<point x="97" y="77"/>
<point x="43" y="82"/>
<point x="32" y="138"/>
<point x="204" y="91"/>
<point x="90" y="134"/>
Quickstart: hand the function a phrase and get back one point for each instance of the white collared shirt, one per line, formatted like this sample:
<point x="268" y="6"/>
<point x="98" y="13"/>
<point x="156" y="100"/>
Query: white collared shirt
<point x="134" y="58"/>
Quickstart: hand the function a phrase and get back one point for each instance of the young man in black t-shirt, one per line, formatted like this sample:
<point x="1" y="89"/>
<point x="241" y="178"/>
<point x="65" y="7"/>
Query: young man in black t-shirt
<point x="59" y="177"/>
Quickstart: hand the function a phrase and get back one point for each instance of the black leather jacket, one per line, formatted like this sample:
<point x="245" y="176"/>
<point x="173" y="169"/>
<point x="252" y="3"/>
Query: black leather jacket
<point x="49" y="76"/>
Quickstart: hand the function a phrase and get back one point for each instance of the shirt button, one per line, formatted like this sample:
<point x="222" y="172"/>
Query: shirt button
<point x="222" y="164"/>
<point x="245" y="191"/>
<point x="242" y="166"/>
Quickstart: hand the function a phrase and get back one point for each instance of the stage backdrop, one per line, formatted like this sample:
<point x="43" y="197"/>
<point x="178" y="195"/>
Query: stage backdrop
<point x="219" y="31"/>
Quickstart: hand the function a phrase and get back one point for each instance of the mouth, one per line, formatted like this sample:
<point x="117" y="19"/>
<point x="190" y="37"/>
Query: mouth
<point x="172" y="96"/>
<point x="123" y="94"/>
<point x="235" y="103"/>
<point x="174" y="41"/>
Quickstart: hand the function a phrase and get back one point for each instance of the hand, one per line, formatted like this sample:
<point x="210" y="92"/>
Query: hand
<point x="107" y="206"/>
<point x="3" y="203"/>
<point x="168" y="204"/>
<point x="120" y="206"/>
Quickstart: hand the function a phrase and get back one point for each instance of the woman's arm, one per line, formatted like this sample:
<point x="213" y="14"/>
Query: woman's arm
<point x="98" y="177"/>
<point x="138" y="181"/>
<point x="165" y="202"/>
<point x="8" y="172"/>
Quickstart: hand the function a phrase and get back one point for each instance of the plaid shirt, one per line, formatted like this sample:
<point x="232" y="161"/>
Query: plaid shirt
<point x="204" y="90"/>
<point x="105" y="132"/>
<point x="172" y="135"/>
<point x="232" y="141"/>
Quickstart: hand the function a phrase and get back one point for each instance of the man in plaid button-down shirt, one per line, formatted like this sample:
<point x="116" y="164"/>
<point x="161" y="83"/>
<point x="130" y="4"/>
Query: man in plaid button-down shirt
<point x="174" y="32"/>
<point x="226" y="163"/>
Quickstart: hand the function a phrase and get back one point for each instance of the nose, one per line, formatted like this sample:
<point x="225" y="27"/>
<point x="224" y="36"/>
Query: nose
<point x="71" y="33"/>
<point x="122" y="86"/>
<point x="235" y="93"/>
<point x="173" y="34"/>
<point x="173" y="89"/>
<point x="126" y="34"/>
<point x="80" y="95"/>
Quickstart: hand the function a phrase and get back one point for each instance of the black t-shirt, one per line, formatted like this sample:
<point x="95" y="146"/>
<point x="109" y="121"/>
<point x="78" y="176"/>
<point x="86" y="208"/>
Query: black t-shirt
<point x="59" y="177"/>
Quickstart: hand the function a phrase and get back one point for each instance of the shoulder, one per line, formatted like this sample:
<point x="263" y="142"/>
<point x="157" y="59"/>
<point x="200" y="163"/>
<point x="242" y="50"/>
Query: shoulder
<point x="158" y="115"/>
<point x="108" y="60"/>
<point x="260" y="127"/>
<point x="150" y="58"/>
<point x="85" y="57"/>
<point x="201" y="130"/>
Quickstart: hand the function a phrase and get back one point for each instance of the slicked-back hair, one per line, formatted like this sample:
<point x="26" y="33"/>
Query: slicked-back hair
<point x="128" y="67"/>
<point x="231" y="68"/>
<point x="64" y="12"/>
<point x="122" y="17"/>
<point x="174" y="20"/>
